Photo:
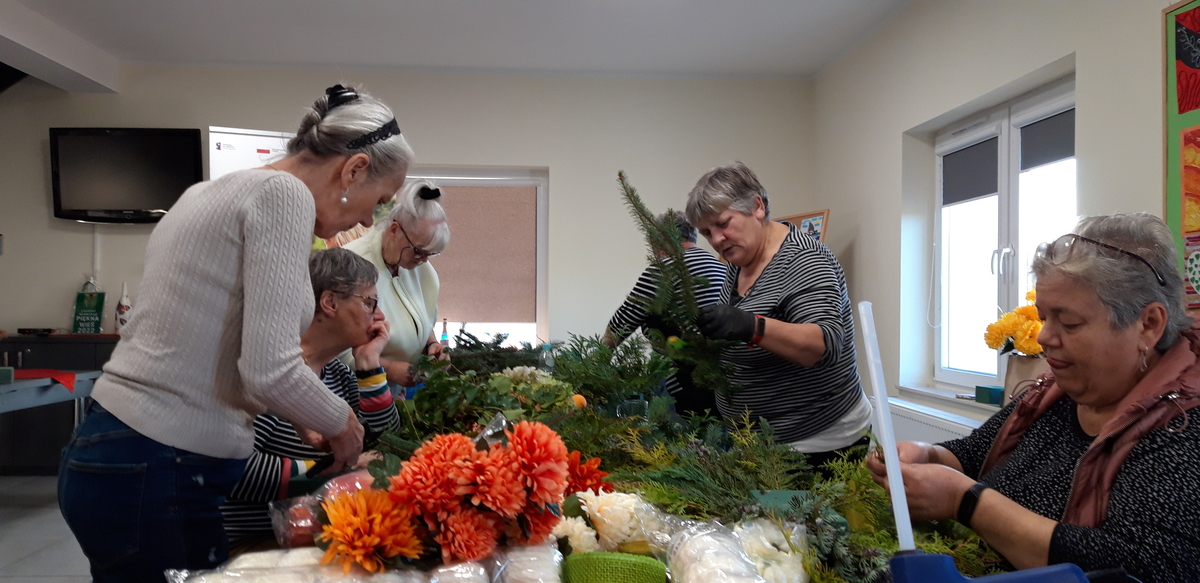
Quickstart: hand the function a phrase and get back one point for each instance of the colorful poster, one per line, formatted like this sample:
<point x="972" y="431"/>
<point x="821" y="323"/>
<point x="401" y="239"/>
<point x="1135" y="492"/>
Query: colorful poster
<point x="1181" y="203"/>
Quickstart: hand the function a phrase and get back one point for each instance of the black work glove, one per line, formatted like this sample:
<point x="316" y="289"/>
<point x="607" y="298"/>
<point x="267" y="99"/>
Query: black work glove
<point x="725" y="322"/>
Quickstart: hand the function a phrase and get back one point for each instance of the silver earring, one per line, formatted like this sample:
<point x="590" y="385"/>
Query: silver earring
<point x="344" y="200"/>
<point x="1145" y="365"/>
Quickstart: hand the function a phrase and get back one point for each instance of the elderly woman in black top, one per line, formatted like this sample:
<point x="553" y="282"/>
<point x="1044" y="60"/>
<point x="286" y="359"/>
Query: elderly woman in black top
<point x="1097" y="463"/>
<point x="785" y="296"/>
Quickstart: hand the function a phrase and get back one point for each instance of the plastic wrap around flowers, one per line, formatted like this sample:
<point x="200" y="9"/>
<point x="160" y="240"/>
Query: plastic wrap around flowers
<point x="470" y="499"/>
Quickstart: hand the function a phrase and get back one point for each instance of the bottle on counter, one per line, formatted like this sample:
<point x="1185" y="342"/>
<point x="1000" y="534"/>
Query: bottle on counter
<point x="546" y="358"/>
<point x="445" y="335"/>
<point x="123" y="309"/>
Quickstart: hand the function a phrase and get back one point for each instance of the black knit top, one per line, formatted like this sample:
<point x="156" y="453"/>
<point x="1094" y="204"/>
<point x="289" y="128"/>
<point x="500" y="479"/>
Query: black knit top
<point x="1152" y="527"/>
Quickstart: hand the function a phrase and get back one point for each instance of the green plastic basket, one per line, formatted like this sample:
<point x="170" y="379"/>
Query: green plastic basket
<point x="612" y="568"/>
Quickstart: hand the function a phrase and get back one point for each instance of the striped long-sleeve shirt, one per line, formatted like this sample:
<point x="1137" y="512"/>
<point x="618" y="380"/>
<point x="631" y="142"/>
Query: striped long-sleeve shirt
<point x="803" y="283"/>
<point x="633" y="315"/>
<point x="280" y="457"/>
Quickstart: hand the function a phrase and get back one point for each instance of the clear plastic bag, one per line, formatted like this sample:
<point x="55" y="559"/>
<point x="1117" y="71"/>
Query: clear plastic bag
<point x="658" y="528"/>
<point x="777" y="551"/>
<point x="351" y="482"/>
<point x="527" y="564"/>
<point x="707" y="553"/>
<point x="295" y="521"/>
<point x="459" y="573"/>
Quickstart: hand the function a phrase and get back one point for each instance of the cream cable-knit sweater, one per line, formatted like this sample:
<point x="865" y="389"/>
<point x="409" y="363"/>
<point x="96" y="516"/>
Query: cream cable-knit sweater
<point x="215" y="338"/>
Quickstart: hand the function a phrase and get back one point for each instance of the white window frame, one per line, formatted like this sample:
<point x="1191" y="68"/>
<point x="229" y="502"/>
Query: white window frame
<point x="1004" y="123"/>
<point x="538" y="178"/>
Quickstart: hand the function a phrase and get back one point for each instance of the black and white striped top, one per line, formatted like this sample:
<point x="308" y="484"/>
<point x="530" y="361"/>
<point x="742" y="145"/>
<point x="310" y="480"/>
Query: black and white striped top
<point x="280" y="457"/>
<point x="803" y="283"/>
<point x="632" y="314"/>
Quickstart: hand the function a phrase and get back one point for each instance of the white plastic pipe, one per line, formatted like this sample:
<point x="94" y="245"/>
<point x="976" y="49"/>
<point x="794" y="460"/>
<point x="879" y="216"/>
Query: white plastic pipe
<point x="883" y="429"/>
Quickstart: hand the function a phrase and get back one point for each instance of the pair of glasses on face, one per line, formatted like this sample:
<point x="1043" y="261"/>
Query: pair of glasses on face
<point x="418" y="253"/>
<point x="1062" y="247"/>
<point x="369" y="302"/>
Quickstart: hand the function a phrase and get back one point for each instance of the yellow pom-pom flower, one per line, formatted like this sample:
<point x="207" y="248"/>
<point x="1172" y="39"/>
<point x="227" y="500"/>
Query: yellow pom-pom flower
<point x="366" y="527"/>
<point x="1016" y="330"/>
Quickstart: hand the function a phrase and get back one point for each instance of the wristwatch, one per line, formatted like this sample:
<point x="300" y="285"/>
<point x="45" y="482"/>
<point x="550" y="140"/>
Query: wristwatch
<point x="966" y="508"/>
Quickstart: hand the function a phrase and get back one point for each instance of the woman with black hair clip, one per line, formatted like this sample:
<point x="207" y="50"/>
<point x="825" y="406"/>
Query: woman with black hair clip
<point x="408" y="285"/>
<point x="224" y="299"/>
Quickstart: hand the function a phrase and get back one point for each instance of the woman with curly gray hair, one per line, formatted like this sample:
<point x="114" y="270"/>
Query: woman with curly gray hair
<point x="1097" y="463"/>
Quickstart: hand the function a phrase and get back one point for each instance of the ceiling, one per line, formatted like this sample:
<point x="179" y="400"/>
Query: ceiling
<point x="689" y="38"/>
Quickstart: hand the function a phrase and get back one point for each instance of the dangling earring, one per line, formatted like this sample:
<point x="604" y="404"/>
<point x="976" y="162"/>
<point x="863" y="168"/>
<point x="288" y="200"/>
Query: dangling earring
<point x="1145" y="365"/>
<point x="344" y="200"/>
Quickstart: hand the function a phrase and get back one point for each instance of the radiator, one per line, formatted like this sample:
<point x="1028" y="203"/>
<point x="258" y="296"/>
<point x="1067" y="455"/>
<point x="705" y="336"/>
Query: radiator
<point x="913" y="422"/>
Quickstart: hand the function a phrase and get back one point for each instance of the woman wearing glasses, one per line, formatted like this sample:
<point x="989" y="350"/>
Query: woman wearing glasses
<point x="346" y="318"/>
<point x="408" y="285"/>
<point x="224" y="298"/>
<point x="1097" y="463"/>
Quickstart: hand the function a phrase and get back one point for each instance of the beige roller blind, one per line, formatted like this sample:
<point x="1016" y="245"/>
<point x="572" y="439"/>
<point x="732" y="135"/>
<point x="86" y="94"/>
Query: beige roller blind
<point x="489" y="271"/>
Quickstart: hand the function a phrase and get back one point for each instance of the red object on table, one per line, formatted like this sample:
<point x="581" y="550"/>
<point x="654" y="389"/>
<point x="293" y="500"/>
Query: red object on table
<point x="67" y="379"/>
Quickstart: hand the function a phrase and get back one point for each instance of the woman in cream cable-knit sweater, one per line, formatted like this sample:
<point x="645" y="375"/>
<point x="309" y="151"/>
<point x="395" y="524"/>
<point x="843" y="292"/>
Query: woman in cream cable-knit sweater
<point x="216" y="340"/>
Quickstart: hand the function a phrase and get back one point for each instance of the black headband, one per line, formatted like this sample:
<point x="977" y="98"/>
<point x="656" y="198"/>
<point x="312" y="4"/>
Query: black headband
<point x="386" y="131"/>
<point x="337" y="96"/>
<point x="429" y="193"/>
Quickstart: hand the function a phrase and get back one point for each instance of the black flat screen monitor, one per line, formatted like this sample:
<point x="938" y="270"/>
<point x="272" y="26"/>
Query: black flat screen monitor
<point x="122" y="175"/>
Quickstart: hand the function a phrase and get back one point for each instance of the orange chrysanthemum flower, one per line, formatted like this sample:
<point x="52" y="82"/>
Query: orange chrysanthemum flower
<point x="467" y="536"/>
<point x="446" y="448"/>
<point x="424" y="487"/>
<point x="586" y="476"/>
<point x="543" y="461"/>
<point x="499" y="486"/>
<point x="366" y="527"/>
<point x="538" y="523"/>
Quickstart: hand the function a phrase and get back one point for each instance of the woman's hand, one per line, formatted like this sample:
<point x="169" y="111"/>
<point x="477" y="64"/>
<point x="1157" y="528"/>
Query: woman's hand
<point x="398" y="372"/>
<point x="934" y="490"/>
<point x="725" y="322"/>
<point x="366" y="355"/>
<point x="347" y="445"/>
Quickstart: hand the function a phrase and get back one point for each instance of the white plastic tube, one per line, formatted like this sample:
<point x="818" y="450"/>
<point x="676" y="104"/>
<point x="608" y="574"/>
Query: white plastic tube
<point x="883" y="429"/>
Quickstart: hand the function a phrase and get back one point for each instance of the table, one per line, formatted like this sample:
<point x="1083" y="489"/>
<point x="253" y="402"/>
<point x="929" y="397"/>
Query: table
<point x="35" y="392"/>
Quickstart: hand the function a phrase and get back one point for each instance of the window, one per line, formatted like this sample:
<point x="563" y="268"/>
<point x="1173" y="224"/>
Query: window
<point x="1006" y="183"/>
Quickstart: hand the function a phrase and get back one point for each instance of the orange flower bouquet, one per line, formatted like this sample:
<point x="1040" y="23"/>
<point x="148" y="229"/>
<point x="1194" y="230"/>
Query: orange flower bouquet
<point x="470" y="500"/>
<point x="1017" y="330"/>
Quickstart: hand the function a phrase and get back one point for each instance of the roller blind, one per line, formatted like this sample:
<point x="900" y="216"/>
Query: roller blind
<point x="971" y="172"/>
<point x="489" y="271"/>
<point x="1049" y="140"/>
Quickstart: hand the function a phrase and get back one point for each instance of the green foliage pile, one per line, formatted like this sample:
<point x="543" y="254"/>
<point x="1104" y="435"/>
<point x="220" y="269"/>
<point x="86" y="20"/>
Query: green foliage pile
<point x="608" y="376"/>
<point x="487" y="357"/>
<point x="456" y="401"/>
<point x="675" y="299"/>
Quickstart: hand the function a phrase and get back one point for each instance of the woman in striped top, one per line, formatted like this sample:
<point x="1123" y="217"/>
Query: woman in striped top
<point x="633" y="315"/>
<point x="347" y="317"/>
<point x="785" y="296"/>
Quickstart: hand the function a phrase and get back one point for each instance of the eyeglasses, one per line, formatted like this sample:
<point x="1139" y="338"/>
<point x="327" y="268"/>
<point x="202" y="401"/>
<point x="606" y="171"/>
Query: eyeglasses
<point x="1062" y="247"/>
<point x="369" y="302"/>
<point x="418" y="253"/>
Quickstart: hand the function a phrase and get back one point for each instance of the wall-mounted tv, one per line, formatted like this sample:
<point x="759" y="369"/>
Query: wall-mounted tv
<point x="122" y="175"/>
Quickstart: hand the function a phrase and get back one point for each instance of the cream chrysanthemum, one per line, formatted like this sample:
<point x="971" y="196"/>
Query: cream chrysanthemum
<point x="525" y="374"/>
<point x="578" y="533"/>
<point x="614" y="515"/>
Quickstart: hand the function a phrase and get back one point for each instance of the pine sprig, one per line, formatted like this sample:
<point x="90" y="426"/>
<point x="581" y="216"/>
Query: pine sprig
<point x="674" y="300"/>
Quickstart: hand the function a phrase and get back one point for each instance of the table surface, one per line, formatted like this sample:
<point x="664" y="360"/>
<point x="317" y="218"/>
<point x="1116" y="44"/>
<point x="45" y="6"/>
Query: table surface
<point x="27" y="393"/>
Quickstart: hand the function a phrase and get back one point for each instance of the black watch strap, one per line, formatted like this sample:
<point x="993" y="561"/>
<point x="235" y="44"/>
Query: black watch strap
<point x="966" y="508"/>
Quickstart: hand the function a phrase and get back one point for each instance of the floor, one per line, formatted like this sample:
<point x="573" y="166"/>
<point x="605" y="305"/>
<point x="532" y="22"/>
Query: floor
<point x="35" y="544"/>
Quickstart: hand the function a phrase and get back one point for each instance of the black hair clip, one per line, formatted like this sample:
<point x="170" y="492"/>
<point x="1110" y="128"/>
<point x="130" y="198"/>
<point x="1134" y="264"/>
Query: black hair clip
<point x="338" y="95"/>
<point x="429" y="193"/>
<point x="388" y="130"/>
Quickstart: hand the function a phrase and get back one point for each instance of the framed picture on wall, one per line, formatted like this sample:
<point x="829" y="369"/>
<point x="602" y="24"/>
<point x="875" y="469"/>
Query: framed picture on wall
<point x="1181" y="128"/>
<point x="813" y="223"/>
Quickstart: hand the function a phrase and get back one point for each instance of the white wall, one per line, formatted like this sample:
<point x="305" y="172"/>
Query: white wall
<point x="665" y="133"/>
<point x="937" y="56"/>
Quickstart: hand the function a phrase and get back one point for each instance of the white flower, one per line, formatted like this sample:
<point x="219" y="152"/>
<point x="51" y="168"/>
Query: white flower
<point x="614" y="515"/>
<point x="578" y="533"/>
<point x="525" y="374"/>
<point x="776" y="559"/>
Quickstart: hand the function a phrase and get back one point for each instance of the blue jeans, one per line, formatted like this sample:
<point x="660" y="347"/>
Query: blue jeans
<point x="138" y="507"/>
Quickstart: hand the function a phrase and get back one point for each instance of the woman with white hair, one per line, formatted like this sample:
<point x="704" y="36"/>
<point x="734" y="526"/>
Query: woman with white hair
<point x="408" y="285"/>
<point x="216" y="341"/>
<point x="784" y="296"/>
